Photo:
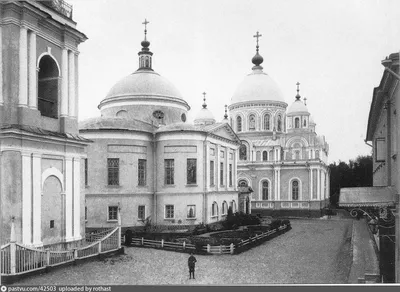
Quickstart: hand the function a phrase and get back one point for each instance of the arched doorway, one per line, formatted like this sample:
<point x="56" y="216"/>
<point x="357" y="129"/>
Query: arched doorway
<point x="52" y="211"/>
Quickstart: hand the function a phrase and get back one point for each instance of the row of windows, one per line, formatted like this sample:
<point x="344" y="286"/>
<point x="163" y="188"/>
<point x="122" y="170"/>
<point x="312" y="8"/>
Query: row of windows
<point x="267" y="125"/>
<point x="268" y="155"/>
<point x="221" y="174"/>
<point x="265" y="189"/>
<point x="170" y="211"/>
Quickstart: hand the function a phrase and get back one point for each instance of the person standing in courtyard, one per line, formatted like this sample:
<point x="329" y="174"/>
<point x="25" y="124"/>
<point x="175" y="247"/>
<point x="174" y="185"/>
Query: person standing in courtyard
<point x="191" y="263"/>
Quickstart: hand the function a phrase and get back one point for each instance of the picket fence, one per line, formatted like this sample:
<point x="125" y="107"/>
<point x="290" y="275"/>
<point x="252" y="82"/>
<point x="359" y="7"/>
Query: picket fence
<point x="17" y="259"/>
<point x="210" y="249"/>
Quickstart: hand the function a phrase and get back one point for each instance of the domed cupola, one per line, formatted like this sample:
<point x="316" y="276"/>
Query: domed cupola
<point x="297" y="115"/>
<point x="204" y="116"/>
<point x="257" y="86"/>
<point x="145" y="94"/>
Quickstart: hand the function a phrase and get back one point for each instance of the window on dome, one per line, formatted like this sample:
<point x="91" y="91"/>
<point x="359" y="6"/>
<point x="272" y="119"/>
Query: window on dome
<point x="252" y="123"/>
<point x="316" y="153"/>
<point x="297" y="123"/>
<point x="279" y="124"/>
<point x="183" y="118"/>
<point x="243" y="152"/>
<point x="265" y="155"/>
<point x="267" y="122"/>
<point x="239" y="124"/>
<point x="295" y="190"/>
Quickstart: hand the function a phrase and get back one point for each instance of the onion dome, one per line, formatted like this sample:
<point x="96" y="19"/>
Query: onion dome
<point x="204" y="116"/>
<point x="257" y="86"/>
<point x="297" y="107"/>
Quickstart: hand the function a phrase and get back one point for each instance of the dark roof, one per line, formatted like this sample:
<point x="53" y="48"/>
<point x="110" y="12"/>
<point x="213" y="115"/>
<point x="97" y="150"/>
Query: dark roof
<point x="367" y="197"/>
<point x="42" y="132"/>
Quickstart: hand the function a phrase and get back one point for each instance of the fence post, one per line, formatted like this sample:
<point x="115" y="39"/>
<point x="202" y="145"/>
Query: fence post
<point x="48" y="256"/>
<point x="142" y="241"/>
<point x="13" y="248"/>
<point x="220" y="248"/>
<point x="184" y="244"/>
<point x="162" y="243"/>
<point x="75" y="254"/>
<point x="119" y="228"/>
<point x="208" y="248"/>
<point x="231" y="248"/>
<point x="99" y="247"/>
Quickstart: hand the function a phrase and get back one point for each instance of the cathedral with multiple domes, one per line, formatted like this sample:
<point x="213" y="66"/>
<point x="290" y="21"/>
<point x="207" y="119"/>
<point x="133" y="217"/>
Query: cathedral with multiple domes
<point x="148" y="163"/>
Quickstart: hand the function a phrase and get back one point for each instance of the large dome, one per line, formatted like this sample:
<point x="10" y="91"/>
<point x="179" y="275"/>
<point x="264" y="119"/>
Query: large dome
<point x="144" y="83"/>
<point x="257" y="86"/>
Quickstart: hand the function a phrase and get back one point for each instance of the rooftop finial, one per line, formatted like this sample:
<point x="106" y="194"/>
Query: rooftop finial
<point x="298" y="89"/>
<point x="305" y="100"/>
<point x="204" y="99"/>
<point x="145" y="28"/>
<point x="226" y="112"/>
<point x="257" y="59"/>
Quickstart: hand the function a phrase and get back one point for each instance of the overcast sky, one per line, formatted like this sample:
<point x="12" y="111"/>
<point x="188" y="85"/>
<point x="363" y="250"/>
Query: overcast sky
<point x="333" y="48"/>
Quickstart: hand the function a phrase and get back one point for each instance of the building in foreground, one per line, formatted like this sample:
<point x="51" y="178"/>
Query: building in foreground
<point x="41" y="152"/>
<point x="149" y="163"/>
<point x="282" y="161"/>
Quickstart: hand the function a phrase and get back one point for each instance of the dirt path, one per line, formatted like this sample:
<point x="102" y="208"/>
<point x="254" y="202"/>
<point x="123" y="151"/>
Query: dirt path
<point x="314" y="251"/>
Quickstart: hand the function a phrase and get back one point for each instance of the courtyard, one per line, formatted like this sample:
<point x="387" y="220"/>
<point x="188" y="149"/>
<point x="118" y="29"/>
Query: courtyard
<point x="314" y="251"/>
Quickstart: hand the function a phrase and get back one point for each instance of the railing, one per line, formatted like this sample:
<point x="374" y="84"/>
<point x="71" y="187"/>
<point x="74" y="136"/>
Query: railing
<point x="19" y="259"/>
<point x="60" y="6"/>
<point x="210" y="249"/>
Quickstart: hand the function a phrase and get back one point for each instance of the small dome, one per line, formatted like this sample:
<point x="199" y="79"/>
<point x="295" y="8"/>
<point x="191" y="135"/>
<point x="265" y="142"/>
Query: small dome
<point x="204" y="116"/>
<point x="297" y="107"/>
<point x="257" y="59"/>
<point x="257" y="86"/>
<point x="312" y="120"/>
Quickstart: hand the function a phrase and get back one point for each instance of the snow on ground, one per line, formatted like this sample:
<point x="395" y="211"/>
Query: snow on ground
<point x="314" y="251"/>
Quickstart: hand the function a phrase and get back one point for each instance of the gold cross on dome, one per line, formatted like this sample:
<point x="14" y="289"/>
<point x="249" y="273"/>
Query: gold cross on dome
<point x="257" y="35"/>
<point x="145" y="23"/>
<point x="298" y="83"/>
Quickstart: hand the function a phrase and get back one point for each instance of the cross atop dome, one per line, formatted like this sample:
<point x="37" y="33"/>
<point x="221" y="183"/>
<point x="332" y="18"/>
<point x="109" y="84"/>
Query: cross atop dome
<point x="226" y="112"/>
<point x="257" y="59"/>
<point x="204" y="100"/>
<point x="298" y="89"/>
<point x="145" y="56"/>
<point x="145" y="27"/>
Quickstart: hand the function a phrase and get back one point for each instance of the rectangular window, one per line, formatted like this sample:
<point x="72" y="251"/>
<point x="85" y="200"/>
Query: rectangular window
<point x="113" y="171"/>
<point x="221" y="175"/>
<point x="191" y="211"/>
<point x="113" y="213"/>
<point x="230" y="175"/>
<point x="212" y="173"/>
<point x="169" y="171"/>
<point x="51" y="223"/>
<point x="86" y="172"/>
<point x="141" y="212"/>
<point x="85" y="213"/>
<point x="191" y="170"/>
<point x="380" y="150"/>
<point x="169" y="211"/>
<point x="142" y="172"/>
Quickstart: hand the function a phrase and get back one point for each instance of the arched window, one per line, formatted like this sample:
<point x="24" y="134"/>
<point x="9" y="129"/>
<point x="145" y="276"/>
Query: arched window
<point x="224" y="208"/>
<point x="243" y="183"/>
<point x="214" y="209"/>
<point x="243" y="152"/>
<point x="279" y="124"/>
<point x="295" y="190"/>
<point x="267" y="125"/>
<point x="265" y="190"/>
<point x="233" y="205"/>
<point x="297" y="123"/>
<point x="297" y="154"/>
<point x="239" y="124"/>
<point x="252" y="122"/>
<point x="265" y="155"/>
<point x="316" y="153"/>
<point x="48" y="83"/>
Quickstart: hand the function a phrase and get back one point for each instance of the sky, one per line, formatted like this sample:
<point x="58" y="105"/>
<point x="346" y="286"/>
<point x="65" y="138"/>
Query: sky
<point x="333" y="48"/>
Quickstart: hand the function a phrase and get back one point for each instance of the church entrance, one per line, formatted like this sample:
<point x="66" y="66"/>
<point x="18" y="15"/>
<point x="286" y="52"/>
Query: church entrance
<point x="52" y="211"/>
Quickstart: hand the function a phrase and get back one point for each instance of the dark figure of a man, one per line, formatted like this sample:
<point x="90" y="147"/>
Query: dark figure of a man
<point x="191" y="262"/>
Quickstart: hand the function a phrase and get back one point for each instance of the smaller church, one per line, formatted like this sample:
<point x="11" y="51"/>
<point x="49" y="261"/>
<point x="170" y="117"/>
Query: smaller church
<point x="148" y="163"/>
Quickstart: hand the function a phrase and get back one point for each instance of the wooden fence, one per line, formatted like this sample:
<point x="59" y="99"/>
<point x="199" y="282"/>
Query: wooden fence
<point x="17" y="259"/>
<point x="209" y="249"/>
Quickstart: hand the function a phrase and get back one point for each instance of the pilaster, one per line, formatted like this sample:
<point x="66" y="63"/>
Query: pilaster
<point x="37" y="198"/>
<point x="26" y="198"/>
<point x="68" y="199"/>
<point x="64" y="82"/>
<point x="32" y="71"/>
<point x="77" y="198"/>
<point x="71" y="84"/>
<point x="23" y="67"/>
<point x="1" y="66"/>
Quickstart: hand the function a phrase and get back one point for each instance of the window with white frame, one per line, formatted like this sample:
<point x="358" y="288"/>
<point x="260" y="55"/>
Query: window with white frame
<point x="267" y="125"/>
<point x="239" y="124"/>
<point x="380" y="150"/>
<point x="169" y="211"/>
<point x="224" y="208"/>
<point x="113" y="171"/>
<point x="214" y="209"/>
<point x="112" y="213"/>
<point x="295" y="190"/>
<point x="191" y="170"/>
<point x="230" y="174"/>
<point x="265" y="156"/>
<point x="169" y="171"/>
<point x="141" y="212"/>
<point x="212" y="173"/>
<point x="252" y="122"/>
<point x="142" y="172"/>
<point x="265" y="190"/>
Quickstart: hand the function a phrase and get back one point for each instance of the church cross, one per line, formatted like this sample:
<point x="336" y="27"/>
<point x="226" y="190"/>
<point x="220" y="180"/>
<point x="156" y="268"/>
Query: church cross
<point x="145" y="27"/>
<point x="305" y="100"/>
<point x="204" y="99"/>
<point x="298" y="83"/>
<point x="257" y="35"/>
